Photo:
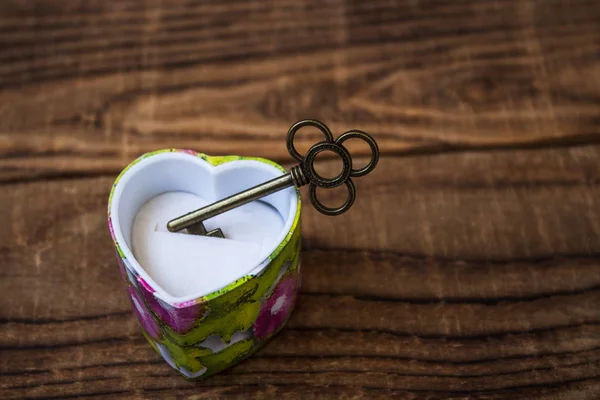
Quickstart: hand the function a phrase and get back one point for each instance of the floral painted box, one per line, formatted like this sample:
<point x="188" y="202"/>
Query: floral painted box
<point x="203" y="334"/>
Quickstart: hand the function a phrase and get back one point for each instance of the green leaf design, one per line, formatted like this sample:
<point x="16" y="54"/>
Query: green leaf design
<point x="228" y="356"/>
<point x="186" y="357"/>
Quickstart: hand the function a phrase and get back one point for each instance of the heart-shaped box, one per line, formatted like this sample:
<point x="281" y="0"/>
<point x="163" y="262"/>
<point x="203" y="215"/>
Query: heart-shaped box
<point x="202" y="334"/>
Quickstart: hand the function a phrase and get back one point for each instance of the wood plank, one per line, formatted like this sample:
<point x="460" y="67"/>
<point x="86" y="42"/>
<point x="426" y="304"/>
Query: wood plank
<point x="88" y="87"/>
<point x="396" y="321"/>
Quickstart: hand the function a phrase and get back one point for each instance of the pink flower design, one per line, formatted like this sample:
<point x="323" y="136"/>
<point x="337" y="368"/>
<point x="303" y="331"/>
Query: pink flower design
<point x="110" y="228"/>
<point x="144" y="317"/>
<point x="179" y="319"/>
<point x="121" y="267"/>
<point x="299" y="274"/>
<point x="276" y="309"/>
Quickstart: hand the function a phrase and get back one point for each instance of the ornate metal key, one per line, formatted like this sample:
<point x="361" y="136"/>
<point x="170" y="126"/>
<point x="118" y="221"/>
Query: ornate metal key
<point x="300" y="175"/>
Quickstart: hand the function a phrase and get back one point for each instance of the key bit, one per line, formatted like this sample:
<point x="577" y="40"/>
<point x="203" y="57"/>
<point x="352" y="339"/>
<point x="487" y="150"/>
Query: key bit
<point x="299" y="175"/>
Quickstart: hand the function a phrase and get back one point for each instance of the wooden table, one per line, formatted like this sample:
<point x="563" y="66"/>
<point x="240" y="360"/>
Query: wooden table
<point x="469" y="265"/>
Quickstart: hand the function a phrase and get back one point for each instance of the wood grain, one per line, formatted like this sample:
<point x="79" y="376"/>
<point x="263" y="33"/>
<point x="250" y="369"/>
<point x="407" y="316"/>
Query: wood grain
<point x="468" y="267"/>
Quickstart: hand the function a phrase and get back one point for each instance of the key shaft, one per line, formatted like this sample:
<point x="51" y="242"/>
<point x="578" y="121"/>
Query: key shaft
<point x="195" y="218"/>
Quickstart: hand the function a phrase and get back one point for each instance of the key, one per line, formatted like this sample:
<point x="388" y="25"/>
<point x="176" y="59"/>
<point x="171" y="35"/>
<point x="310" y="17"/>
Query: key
<point x="299" y="175"/>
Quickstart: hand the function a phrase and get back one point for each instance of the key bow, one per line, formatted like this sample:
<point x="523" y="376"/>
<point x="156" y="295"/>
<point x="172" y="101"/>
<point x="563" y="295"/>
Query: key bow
<point x="305" y="172"/>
